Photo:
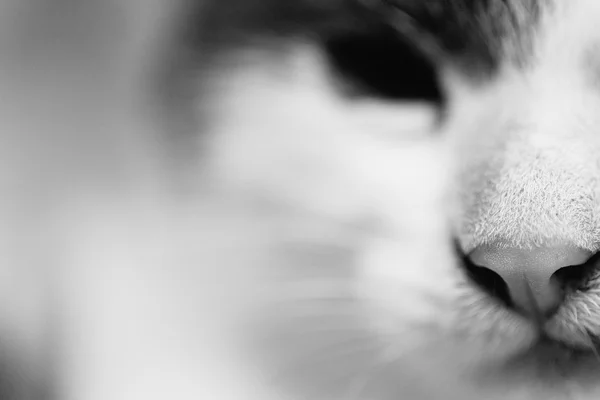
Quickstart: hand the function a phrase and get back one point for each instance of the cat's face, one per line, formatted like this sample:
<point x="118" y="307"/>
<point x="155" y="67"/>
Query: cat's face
<point x="335" y="153"/>
<point x="376" y="298"/>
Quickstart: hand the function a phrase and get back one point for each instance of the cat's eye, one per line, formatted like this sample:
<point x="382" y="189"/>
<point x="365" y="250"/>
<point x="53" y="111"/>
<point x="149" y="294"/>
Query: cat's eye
<point x="377" y="62"/>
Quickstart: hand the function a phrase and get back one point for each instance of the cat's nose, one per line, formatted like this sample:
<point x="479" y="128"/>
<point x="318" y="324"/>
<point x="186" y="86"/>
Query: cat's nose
<point x="530" y="273"/>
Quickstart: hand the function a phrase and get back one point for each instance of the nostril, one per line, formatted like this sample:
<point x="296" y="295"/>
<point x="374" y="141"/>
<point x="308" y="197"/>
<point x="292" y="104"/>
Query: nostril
<point x="491" y="282"/>
<point x="577" y="277"/>
<point x="486" y="279"/>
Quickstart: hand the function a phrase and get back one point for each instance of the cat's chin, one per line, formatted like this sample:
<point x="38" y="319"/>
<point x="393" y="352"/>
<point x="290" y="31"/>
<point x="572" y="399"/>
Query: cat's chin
<point x="551" y="358"/>
<point x="541" y="370"/>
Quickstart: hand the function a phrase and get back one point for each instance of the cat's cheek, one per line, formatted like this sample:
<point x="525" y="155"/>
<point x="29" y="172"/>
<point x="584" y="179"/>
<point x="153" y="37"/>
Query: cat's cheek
<point x="416" y="299"/>
<point x="486" y="332"/>
<point x="406" y="291"/>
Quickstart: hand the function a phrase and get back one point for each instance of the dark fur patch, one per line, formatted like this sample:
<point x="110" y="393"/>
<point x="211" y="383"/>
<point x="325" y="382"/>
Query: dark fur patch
<point x="225" y="24"/>
<point x="474" y="32"/>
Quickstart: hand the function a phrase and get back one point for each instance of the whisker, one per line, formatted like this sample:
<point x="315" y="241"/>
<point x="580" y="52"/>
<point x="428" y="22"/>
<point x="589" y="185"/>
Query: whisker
<point x="386" y="359"/>
<point x="340" y="347"/>
<point x="308" y="363"/>
<point x="305" y="311"/>
<point x="359" y="386"/>
<point x="314" y="295"/>
<point x="592" y="343"/>
<point x="311" y="290"/>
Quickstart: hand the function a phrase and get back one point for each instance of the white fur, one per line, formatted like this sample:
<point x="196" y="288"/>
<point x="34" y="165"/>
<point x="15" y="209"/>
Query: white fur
<point x="309" y="220"/>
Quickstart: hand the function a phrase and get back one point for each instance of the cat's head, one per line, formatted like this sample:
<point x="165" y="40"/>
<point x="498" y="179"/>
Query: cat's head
<point x="373" y="134"/>
<point x="380" y="195"/>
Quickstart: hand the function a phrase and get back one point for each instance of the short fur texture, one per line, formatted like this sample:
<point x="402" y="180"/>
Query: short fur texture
<point x="277" y="238"/>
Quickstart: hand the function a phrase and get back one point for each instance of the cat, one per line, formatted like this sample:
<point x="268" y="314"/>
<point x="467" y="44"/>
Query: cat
<point x="256" y="199"/>
<point x="512" y="314"/>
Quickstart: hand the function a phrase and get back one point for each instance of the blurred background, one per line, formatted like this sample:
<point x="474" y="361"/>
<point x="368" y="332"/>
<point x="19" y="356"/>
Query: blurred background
<point x="80" y="95"/>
